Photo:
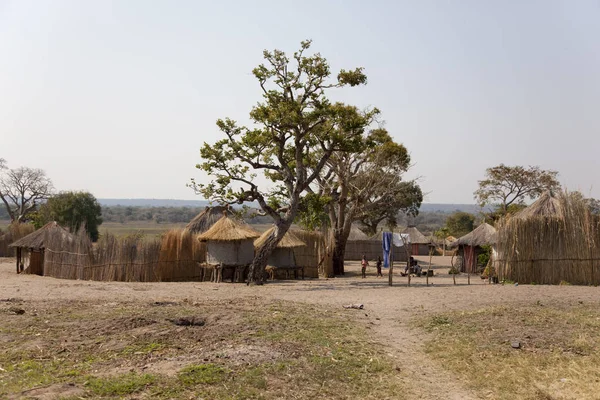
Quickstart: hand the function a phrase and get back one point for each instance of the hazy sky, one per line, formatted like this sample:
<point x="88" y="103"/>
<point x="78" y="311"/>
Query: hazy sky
<point x="117" y="97"/>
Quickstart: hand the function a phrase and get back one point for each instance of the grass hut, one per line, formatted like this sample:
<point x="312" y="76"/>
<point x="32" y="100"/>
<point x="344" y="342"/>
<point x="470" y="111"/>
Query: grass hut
<point x="207" y="218"/>
<point x="229" y="242"/>
<point x="554" y="240"/>
<point x="282" y="256"/>
<point x="34" y="245"/>
<point x="418" y="242"/>
<point x="470" y="245"/>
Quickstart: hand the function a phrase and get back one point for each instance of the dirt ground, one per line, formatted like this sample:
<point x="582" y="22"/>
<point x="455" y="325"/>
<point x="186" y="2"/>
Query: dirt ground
<point x="388" y="311"/>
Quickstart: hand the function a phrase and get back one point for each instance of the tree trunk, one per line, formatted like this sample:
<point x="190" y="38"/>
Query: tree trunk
<point x="256" y="272"/>
<point x="339" y="249"/>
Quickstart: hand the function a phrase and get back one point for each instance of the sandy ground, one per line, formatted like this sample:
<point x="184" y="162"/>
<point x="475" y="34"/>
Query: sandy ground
<point x="388" y="311"/>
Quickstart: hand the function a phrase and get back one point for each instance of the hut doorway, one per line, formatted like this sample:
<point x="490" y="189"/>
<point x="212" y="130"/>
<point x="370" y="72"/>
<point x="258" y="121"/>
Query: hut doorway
<point x="36" y="262"/>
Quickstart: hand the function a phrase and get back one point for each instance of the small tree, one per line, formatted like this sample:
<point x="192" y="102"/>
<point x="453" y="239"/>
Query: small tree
<point x="297" y="129"/>
<point x="22" y="190"/>
<point x="459" y="223"/>
<point x="505" y="185"/>
<point x="73" y="210"/>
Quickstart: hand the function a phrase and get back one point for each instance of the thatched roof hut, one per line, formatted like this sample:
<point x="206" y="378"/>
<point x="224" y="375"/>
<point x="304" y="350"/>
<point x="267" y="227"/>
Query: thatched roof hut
<point x="357" y="234"/>
<point x="207" y="218"/>
<point x="470" y="245"/>
<point x="229" y="242"/>
<point x="483" y="235"/>
<point x="283" y="255"/>
<point x="419" y="243"/>
<point x="34" y="243"/>
<point x="556" y="239"/>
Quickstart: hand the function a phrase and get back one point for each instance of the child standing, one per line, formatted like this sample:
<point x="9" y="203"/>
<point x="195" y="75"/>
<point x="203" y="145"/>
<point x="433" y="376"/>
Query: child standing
<point x="379" y="262"/>
<point x="364" y="263"/>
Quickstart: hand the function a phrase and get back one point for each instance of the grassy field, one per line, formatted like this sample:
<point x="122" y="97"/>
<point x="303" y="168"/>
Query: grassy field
<point x="558" y="358"/>
<point x="236" y="350"/>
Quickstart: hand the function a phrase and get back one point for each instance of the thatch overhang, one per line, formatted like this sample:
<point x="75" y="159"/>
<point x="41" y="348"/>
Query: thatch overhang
<point x="207" y="218"/>
<point x="228" y="229"/>
<point x="484" y="234"/>
<point x="288" y="241"/>
<point x="35" y="240"/>
<point x="416" y="237"/>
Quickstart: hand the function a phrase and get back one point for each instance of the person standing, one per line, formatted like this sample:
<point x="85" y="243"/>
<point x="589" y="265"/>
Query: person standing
<point x="379" y="262"/>
<point x="364" y="263"/>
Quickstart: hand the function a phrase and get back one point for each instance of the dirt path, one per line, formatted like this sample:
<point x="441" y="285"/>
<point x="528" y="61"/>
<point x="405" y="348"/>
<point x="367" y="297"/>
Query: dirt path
<point x="388" y="310"/>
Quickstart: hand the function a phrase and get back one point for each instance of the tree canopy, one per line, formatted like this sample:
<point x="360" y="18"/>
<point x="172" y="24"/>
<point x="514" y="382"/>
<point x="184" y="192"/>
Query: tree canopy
<point x="73" y="210"/>
<point x="22" y="190"/>
<point x="296" y="131"/>
<point x="459" y="224"/>
<point x="506" y="185"/>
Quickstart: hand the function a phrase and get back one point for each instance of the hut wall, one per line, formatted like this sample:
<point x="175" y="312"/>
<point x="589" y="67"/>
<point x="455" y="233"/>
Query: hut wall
<point x="238" y="252"/>
<point x="36" y="262"/>
<point x="282" y="258"/>
<point x="310" y="255"/>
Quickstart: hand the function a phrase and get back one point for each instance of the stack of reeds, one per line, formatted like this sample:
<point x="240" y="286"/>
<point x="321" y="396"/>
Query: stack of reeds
<point x="313" y="254"/>
<point x="551" y="247"/>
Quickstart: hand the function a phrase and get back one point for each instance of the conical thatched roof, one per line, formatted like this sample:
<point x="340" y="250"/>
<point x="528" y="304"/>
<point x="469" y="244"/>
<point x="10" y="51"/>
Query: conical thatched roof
<point x="546" y="206"/>
<point x="227" y="229"/>
<point x="357" y="234"/>
<point x="289" y="240"/>
<point x="484" y="234"/>
<point x="36" y="239"/>
<point x="415" y="236"/>
<point x="207" y="218"/>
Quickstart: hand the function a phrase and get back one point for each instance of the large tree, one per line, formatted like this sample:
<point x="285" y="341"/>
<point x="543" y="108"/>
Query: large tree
<point x="505" y="185"/>
<point x="366" y="183"/>
<point x="459" y="223"/>
<point x="296" y="131"/>
<point x="22" y="190"/>
<point x="73" y="210"/>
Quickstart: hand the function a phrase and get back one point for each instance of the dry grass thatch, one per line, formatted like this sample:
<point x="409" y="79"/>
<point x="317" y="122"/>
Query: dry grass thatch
<point x="416" y="237"/>
<point x="207" y="218"/>
<point x="289" y="240"/>
<point x="228" y="229"/>
<point x="357" y="234"/>
<point x="35" y="240"/>
<point x="484" y="234"/>
<point x="15" y="232"/>
<point x="315" y="256"/>
<point x="550" y="249"/>
<point x="546" y="206"/>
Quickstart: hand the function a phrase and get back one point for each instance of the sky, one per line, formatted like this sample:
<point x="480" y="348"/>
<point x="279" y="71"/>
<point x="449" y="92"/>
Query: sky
<point x="117" y="97"/>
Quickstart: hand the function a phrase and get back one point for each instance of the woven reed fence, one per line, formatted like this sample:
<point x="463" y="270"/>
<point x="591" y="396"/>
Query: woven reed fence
<point x="176" y="256"/>
<point x="312" y="255"/>
<point x="14" y="232"/>
<point x="372" y="249"/>
<point x="551" y="249"/>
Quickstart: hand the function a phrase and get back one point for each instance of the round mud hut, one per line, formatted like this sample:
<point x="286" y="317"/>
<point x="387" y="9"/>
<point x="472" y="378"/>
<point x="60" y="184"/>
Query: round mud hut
<point x="229" y="242"/>
<point x="283" y="255"/>
<point x="419" y="244"/>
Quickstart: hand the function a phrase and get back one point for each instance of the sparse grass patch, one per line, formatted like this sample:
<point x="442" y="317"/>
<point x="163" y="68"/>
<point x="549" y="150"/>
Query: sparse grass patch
<point x="203" y="373"/>
<point x="119" y="385"/>
<point x="558" y="358"/>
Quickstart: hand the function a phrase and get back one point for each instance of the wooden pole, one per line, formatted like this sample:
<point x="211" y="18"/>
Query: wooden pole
<point x="429" y="266"/>
<point x="390" y="275"/>
<point x="18" y="258"/>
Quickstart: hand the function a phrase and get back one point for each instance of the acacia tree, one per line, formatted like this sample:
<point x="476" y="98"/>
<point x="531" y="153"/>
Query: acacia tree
<point x="22" y="190"/>
<point x="297" y="129"/>
<point x="366" y="183"/>
<point x="505" y="185"/>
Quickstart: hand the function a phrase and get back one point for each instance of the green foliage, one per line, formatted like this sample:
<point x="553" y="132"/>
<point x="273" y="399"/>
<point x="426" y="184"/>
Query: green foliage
<point x="312" y="212"/>
<point x="297" y="129"/>
<point x="73" y="210"/>
<point x="460" y="223"/>
<point x="505" y="185"/>
<point x="484" y="256"/>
